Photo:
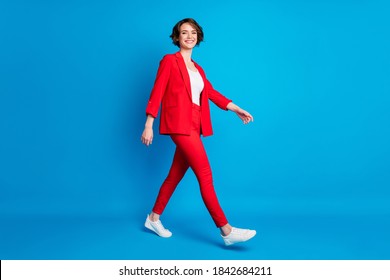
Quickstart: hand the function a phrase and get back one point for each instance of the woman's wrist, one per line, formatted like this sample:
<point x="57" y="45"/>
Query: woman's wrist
<point x="149" y="121"/>
<point x="232" y="107"/>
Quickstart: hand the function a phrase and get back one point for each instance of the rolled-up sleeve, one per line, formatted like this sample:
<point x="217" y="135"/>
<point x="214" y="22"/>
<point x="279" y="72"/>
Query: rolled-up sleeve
<point x="159" y="87"/>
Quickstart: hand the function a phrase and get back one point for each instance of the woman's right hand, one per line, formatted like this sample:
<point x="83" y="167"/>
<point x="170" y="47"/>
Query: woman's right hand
<point x="147" y="136"/>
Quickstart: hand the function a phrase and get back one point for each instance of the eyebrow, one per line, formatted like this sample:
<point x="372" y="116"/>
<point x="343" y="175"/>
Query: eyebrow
<point x="189" y="30"/>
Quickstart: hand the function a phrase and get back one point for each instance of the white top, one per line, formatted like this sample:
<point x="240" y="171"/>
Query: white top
<point x="197" y="85"/>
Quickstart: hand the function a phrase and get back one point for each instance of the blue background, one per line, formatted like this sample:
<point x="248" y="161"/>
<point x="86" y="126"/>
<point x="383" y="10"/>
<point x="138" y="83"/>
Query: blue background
<point x="310" y="174"/>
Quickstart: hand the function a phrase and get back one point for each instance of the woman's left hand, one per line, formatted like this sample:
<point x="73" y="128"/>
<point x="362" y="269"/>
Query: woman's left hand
<point x="244" y="115"/>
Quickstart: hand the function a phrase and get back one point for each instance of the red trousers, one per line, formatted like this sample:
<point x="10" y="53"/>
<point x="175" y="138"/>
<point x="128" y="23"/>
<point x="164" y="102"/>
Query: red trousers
<point x="191" y="153"/>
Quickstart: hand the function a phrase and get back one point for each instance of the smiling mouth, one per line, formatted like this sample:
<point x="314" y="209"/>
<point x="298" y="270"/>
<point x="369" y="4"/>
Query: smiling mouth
<point x="189" y="41"/>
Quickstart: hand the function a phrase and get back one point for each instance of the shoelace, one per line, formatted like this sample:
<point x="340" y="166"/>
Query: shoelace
<point x="159" y="226"/>
<point x="240" y="230"/>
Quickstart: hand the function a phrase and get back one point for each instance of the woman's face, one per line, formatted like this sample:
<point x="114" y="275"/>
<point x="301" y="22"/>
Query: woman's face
<point x="188" y="36"/>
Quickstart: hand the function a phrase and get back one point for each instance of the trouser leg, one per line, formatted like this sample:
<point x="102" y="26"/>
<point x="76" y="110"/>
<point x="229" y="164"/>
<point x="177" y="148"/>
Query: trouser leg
<point x="193" y="151"/>
<point x="178" y="169"/>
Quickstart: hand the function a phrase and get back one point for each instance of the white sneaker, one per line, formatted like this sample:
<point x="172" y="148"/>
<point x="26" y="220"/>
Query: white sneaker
<point x="157" y="227"/>
<point x="238" y="235"/>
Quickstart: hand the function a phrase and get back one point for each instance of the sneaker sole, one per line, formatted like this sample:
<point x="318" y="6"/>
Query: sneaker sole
<point x="152" y="229"/>
<point x="229" y="243"/>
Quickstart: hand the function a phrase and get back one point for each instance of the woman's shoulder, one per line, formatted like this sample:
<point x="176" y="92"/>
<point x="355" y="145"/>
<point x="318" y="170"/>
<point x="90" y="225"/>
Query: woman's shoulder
<point x="169" y="57"/>
<point x="167" y="60"/>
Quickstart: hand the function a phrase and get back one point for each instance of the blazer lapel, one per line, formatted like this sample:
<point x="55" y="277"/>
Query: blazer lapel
<point x="184" y="73"/>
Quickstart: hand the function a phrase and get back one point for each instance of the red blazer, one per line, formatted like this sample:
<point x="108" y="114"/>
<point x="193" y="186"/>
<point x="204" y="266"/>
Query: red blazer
<point x="172" y="90"/>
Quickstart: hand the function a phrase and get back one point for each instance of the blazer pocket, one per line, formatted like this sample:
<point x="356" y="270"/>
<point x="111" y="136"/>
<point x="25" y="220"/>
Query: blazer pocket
<point x="170" y="104"/>
<point x="170" y="101"/>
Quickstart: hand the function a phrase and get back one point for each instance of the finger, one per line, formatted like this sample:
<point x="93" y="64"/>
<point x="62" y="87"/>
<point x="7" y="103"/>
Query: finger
<point x="249" y="118"/>
<point x="247" y="114"/>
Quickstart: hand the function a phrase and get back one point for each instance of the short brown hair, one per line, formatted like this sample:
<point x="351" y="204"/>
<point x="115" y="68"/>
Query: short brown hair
<point x="176" y="31"/>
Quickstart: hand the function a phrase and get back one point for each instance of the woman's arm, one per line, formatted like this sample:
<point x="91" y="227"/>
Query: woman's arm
<point x="159" y="87"/>
<point x="147" y="134"/>
<point x="242" y="114"/>
<point x="216" y="97"/>
<point x="155" y="98"/>
<point x="227" y="104"/>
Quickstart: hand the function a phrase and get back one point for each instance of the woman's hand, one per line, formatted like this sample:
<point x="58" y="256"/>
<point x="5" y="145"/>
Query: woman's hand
<point x="147" y="135"/>
<point x="245" y="116"/>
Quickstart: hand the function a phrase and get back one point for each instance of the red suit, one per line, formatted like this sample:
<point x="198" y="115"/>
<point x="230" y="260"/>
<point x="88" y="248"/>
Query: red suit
<point x="185" y="121"/>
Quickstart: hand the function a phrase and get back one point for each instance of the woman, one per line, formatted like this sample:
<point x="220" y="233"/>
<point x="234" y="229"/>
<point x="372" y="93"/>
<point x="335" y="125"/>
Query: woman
<point x="182" y="90"/>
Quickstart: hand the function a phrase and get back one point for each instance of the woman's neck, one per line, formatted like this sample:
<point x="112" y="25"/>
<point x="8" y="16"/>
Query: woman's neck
<point x="186" y="53"/>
